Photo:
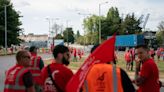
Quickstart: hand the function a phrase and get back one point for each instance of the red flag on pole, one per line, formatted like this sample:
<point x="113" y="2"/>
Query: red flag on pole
<point x="103" y="54"/>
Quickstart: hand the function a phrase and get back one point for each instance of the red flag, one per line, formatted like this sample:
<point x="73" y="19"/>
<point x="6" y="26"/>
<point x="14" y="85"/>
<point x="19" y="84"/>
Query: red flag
<point x="104" y="53"/>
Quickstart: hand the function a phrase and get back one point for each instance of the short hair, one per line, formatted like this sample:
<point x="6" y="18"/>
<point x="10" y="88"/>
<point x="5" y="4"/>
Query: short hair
<point x="32" y="48"/>
<point x="142" y="46"/>
<point x="59" y="49"/>
<point x="94" y="47"/>
<point x="20" y="54"/>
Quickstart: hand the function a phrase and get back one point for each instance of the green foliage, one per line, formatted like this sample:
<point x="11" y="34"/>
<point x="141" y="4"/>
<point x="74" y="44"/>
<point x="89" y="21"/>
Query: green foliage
<point x="91" y="24"/>
<point x="68" y="35"/>
<point x="160" y="33"/>
<point x="13" y="24"/>
<point x="59" y="36"/>
<point x="77" y="35"/>
<point x="91" y="27"/>
<point x="109" y="25"/>
<point x="91" y="38"/>
<point x="80" y="40"/>
<point x="130" y="25"/>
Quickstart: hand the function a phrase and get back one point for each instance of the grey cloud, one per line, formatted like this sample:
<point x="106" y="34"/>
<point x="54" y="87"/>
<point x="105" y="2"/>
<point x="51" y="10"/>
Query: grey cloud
<point x="25" y="3"/>
<point x="21" y="3"/>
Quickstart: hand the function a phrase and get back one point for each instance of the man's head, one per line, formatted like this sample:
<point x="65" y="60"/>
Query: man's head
<point x="33" y="49"/>
<point x="23" y="58"/>
<point x="142" y="51"/>
<point x="61" y="54"/>
<point x="94" y="47"/>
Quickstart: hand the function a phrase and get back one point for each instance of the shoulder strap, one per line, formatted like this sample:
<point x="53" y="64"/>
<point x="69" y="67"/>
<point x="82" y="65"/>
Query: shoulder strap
<point x="53" y="81"/>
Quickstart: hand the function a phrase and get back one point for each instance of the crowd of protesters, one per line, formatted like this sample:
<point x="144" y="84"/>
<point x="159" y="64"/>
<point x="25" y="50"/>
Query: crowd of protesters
<point x="29" y="74"/>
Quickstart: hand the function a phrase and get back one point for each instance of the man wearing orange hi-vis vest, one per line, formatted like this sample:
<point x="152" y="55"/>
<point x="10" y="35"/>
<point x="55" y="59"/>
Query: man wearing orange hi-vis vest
<point x="95" y="75"/>
<point x="36" y="66"/>
<point x="107" y="78"/>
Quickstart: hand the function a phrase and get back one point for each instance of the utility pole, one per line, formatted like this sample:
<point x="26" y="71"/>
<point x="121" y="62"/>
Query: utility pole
<point x="67" y="31"/>
<point x="85" y="16"/>
<point x="100" y="20"/>
<point x="5" y="8"/>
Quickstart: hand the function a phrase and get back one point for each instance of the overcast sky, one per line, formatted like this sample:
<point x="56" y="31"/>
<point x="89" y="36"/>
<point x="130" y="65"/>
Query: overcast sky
<point x="35" y="12"/>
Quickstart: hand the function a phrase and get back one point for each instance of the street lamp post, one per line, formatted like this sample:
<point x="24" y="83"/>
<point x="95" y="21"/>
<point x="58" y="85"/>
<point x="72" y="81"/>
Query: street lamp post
<point x="85" y="39"/>
<point x="50" y="29"/>
<point x="5" y="8"/>
<point x="100" y="21"/>
<point x="67" y="31"/>
<point x="49" y="23"/>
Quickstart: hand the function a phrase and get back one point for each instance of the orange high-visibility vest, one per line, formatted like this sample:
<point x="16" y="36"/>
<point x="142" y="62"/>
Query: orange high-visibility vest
<point x="103" y="78"/>
<point x="35" y="70"/>
<point x="14" y="79"/>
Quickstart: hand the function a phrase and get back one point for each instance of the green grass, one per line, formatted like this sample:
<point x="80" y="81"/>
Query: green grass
<point x="76" y="65"/>
<point x="160" y="65"/>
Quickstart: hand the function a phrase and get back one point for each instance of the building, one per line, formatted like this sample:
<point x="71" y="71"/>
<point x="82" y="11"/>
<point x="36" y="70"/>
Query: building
<point x="150" y="38"/>
<point x="37" y="40"/>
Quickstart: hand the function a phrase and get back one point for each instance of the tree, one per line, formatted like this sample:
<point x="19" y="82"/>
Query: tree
<point x="59" y="36"/>
<point x="91" y="27"/>
<point x="91" y="24"/>
<point x="81" y="40"/>
<point x="160" y="33"/>
<point x="68" y="35"/>
<point x="111" y="24"/>
<point x="130" y="25"/>
<point x="13" y="24"/>
<point x="78" y="34"/>
<point x="91" y="38"/>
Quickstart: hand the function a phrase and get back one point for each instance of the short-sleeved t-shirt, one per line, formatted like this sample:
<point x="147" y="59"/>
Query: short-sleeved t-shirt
<point x="60" y="73"/>
<point x="27" y="79"/>
<point x="150" y="72"/>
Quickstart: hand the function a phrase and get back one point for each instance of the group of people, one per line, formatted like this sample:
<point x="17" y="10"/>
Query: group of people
<point x="160" y="53"/>
<point x="30" y="75"/>
<point x="76" y="53"/>
<point x="129" y="58"/>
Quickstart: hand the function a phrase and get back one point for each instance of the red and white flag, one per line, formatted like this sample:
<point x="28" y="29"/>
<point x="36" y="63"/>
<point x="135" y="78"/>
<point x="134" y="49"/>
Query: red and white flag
<point x="102" y="54"/>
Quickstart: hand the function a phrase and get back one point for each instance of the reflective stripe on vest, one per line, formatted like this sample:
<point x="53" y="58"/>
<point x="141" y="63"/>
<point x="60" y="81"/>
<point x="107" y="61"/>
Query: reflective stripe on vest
<point x="114" y="78"/>
<point x="86" y="85"/>
<point x="35" y="62"/>
<point x="16" y="86"/>
<point x="35" y="74"/>
<point x="35" y="67"/>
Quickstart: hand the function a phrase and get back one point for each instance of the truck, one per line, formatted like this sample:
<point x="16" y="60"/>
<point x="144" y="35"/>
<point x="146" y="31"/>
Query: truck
<point x="123" y="41"/>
